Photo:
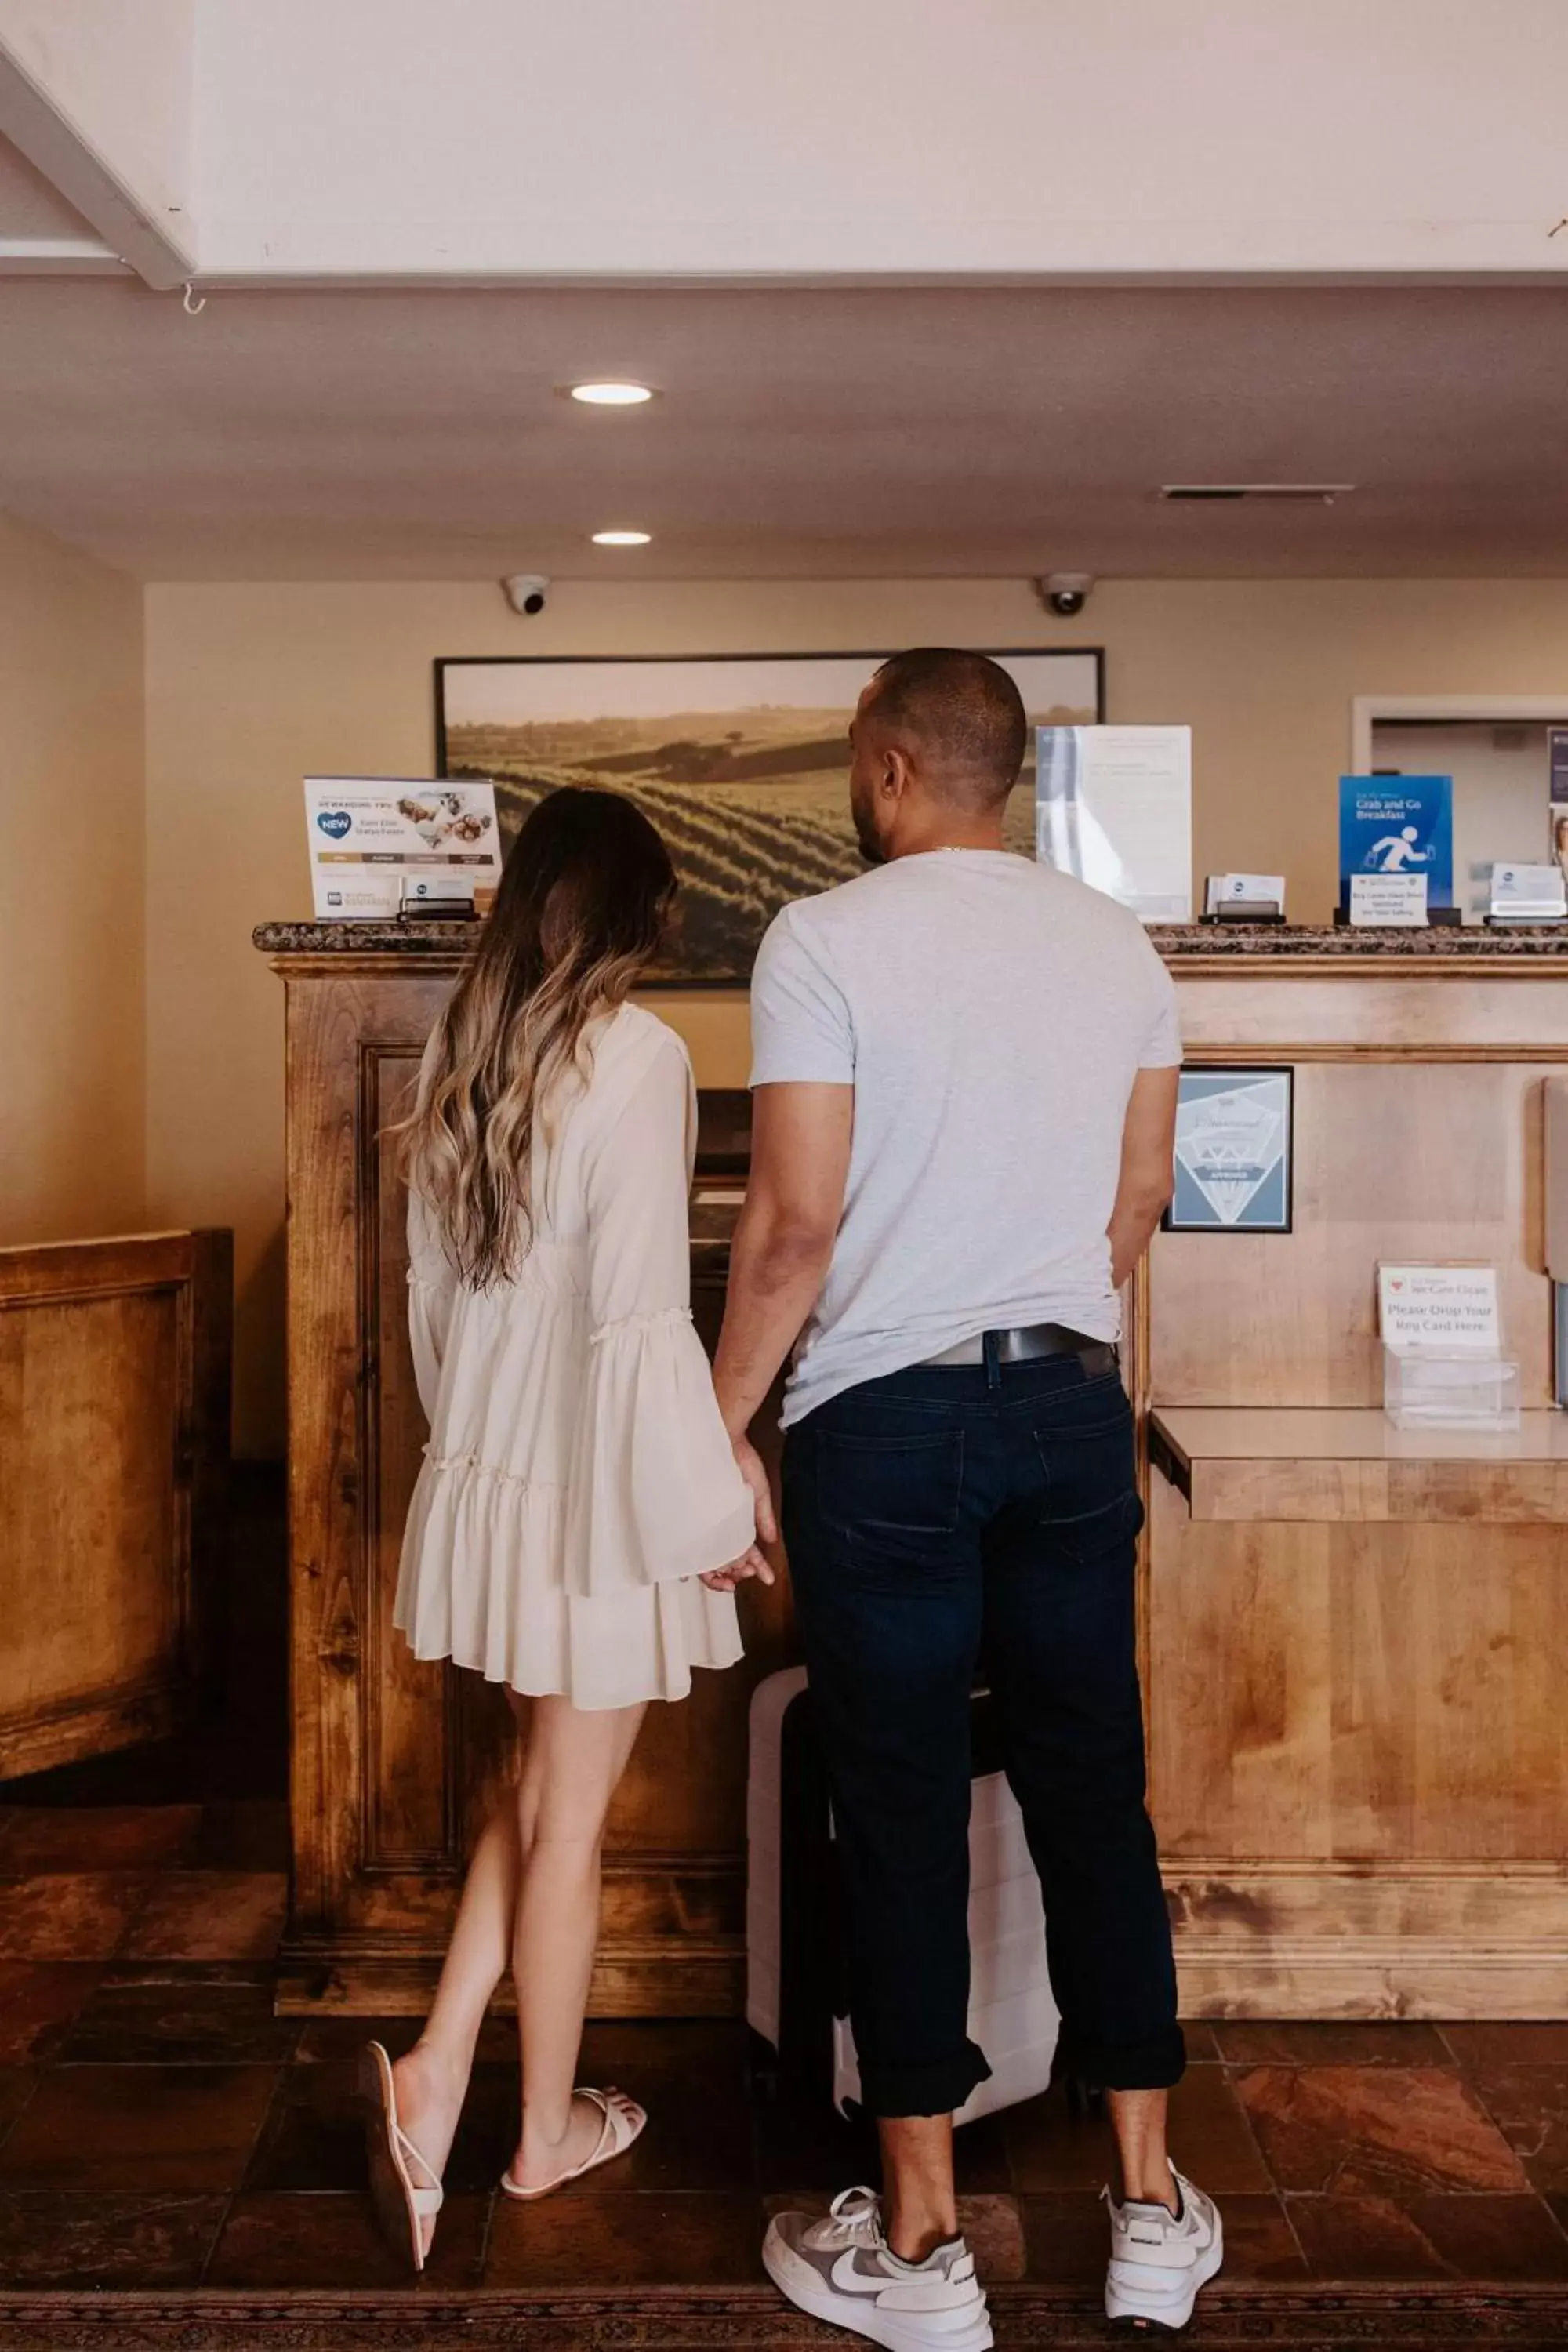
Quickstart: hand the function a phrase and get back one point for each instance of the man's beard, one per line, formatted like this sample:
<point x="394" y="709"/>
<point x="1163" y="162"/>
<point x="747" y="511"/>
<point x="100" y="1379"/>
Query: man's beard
<point x="871" y="849"/>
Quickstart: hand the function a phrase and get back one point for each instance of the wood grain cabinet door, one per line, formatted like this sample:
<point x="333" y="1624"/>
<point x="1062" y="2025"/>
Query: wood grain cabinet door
<point x="114" y="1405"/>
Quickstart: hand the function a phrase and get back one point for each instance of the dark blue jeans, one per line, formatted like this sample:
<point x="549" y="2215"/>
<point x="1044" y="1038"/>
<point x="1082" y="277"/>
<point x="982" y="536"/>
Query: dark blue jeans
<point x="940" y="1522"/>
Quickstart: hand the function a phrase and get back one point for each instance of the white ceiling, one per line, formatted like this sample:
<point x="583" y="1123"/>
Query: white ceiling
<point x="377" y="140"/>
<point x="396" y="433"/>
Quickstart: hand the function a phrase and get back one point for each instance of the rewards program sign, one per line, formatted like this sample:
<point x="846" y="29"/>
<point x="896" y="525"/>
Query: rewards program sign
<point x="378" y="841"/>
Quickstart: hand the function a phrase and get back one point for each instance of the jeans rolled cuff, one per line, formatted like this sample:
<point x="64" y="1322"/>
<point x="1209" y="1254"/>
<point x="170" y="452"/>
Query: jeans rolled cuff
<point x="938" y="2088"/>
<point x="1155" y="2065"/>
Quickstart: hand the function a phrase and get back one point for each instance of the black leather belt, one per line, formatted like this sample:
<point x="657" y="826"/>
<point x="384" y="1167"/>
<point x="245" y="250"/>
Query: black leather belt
<point x="1028" y="1345"/>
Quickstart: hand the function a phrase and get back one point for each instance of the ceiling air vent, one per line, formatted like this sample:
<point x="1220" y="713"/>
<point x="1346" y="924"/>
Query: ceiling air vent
<point x="1321" y="494"/>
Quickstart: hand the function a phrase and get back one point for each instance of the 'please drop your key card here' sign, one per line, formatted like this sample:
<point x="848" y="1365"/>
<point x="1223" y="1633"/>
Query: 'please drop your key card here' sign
<point x="1441" y="1307"/>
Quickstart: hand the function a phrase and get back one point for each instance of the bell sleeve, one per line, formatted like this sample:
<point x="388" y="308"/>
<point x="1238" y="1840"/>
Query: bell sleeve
<point x="654" y="1493"/>
<point x="432" y="1287"/>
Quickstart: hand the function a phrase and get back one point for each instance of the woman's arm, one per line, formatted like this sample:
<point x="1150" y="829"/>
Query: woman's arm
<point x="680" y="1481"/>
<point x="432" y="1289"/>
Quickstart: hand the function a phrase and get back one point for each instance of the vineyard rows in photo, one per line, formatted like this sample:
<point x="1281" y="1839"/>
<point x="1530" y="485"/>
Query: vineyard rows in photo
<point x="744" y="843"/>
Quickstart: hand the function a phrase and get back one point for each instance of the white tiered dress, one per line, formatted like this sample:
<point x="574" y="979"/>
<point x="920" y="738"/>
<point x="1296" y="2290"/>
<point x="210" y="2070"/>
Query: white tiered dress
<point x="578" y="1479"/>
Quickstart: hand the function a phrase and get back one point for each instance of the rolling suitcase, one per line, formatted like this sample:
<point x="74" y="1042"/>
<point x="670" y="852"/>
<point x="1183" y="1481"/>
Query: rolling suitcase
<point x="796" y="1982"/>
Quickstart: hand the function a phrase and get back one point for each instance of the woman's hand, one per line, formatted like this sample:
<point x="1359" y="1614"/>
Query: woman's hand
<point x="751" y="1563"/>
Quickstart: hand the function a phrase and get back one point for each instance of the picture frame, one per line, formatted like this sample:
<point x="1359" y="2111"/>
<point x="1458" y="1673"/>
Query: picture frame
<point x="1235" y="1150"/>
<point x="740" y="760"/>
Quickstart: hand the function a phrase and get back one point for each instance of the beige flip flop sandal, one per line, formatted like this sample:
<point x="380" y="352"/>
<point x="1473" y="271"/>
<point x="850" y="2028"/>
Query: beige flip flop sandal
<point x="624" y="2119"/>
<point x="402" y="2205"/>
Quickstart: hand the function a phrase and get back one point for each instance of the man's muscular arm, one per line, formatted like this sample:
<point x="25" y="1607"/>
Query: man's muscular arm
<point x="1148" y="1169"/>
<point x="783" y="1246"/>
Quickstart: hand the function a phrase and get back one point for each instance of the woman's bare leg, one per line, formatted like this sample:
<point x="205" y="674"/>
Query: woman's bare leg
<point x="574" y="1763"/>
<point x="431" y="2079"/>
<point x="570" y="1769"/>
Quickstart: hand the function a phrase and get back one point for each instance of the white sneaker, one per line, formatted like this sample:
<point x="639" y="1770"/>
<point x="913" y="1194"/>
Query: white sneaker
<point x="1158" y="2263"/>
<point x="843" y="2270"/>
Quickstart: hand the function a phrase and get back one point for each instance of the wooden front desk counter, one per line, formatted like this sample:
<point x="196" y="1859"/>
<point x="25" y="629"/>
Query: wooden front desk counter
<point x="1354" y="1664"/>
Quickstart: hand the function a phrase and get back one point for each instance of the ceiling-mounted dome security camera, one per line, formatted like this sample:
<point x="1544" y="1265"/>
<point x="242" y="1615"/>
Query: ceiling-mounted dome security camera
<point x="1067" y="593"/>
<point x="526" y="592"/>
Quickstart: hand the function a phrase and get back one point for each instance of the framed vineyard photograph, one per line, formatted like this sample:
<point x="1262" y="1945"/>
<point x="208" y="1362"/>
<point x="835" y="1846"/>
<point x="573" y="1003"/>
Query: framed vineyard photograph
<point x="740" y="760"/>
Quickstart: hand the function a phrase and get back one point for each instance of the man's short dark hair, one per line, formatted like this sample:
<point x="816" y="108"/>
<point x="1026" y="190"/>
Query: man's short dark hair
<point x="964" y="713"/>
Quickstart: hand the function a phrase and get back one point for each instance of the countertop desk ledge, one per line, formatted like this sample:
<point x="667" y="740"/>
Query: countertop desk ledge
<point x="1187" y="944"/>
<point x="1311" y="1461"/>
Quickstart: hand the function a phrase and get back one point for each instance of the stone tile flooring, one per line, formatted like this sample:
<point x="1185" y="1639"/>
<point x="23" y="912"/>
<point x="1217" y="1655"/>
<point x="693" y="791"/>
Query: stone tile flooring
<point x="160" y="2126"/>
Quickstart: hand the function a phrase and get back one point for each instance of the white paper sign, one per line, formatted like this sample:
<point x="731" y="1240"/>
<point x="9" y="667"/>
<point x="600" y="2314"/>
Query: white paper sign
<point x="1451" y="1307"/>
<point x="369" y="834"/>
<point x="1388" y="899"/>
<point x="1113" y="805"/>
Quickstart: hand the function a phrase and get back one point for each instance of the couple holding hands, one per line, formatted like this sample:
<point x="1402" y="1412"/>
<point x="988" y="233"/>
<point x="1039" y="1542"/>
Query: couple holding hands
<point x="965" y="1074"/>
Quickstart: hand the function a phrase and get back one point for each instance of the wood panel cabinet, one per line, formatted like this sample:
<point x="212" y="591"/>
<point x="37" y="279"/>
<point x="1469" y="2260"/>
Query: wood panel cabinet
<point x="114" y="1406"/>
<point x="1358" y="1755"/>
<point x="394" y="1761"/>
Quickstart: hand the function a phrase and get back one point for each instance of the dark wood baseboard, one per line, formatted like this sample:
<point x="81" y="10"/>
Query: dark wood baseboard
<point x="662" y="1975"/>
<point x="99" y="1724"/>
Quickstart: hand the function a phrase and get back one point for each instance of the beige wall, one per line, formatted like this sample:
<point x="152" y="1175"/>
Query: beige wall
<point x="71" y="952"/>
<point x="250" y="688"/>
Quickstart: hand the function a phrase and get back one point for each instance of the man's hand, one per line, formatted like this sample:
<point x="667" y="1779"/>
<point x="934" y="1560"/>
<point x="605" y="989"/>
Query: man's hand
<point x="749" y="1462"/>
<point x="784" y="1241"/>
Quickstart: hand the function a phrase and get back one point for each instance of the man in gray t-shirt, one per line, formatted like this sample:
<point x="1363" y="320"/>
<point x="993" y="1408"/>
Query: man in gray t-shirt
<point x="990" y="1016"/>
<point x="964" y="1068"/>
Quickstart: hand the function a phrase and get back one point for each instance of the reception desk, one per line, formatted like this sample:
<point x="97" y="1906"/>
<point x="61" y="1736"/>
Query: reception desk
<point x="1352" y="1640"/>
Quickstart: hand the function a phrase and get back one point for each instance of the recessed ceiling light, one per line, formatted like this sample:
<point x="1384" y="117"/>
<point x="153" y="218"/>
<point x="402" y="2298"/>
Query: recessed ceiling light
<point x="622" y="538"/>
<point x="611" y="396"/>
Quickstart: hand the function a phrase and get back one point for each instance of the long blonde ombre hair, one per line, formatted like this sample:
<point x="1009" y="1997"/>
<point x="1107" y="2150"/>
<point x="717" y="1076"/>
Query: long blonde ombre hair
<point x="584" y="902"/>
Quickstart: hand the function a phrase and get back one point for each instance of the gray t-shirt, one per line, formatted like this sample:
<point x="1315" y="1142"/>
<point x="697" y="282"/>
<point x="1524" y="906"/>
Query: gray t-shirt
<point x="990" y="1015"/>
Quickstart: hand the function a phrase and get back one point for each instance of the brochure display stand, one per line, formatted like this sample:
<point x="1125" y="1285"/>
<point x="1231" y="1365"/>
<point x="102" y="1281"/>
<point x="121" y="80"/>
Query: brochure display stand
<point x="1425" y="1388"/>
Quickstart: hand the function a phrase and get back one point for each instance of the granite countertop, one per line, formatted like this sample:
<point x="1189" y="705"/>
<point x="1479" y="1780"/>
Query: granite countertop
<point x="416" y="939"/>
<point x="1176" y="940"/>
<point x="448" y="943"/>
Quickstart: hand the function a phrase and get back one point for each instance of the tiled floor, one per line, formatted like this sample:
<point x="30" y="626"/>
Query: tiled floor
<point x="160" y="2126"/>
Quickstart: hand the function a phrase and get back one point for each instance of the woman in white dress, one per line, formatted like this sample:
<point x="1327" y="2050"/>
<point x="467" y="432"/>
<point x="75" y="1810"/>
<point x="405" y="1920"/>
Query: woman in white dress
<point x="578" y="1484"/>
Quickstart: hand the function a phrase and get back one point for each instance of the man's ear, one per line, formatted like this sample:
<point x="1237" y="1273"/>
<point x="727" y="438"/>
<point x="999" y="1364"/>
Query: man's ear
<point x="895" y="781"/>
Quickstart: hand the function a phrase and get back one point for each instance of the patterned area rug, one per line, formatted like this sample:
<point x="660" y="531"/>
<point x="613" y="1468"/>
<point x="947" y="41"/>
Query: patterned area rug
<point x="752" y="2319"/>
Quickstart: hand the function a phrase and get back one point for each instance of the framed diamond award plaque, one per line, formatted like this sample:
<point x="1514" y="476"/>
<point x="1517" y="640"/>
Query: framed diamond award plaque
<point x="1234" y="1151"/>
